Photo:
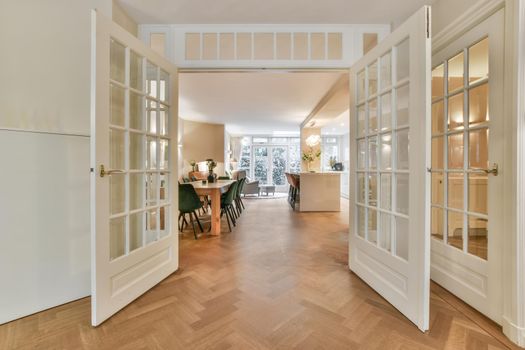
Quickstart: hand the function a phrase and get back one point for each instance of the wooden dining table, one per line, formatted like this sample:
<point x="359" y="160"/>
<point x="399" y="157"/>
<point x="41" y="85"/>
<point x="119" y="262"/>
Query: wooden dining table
<point x="214" y="190"/>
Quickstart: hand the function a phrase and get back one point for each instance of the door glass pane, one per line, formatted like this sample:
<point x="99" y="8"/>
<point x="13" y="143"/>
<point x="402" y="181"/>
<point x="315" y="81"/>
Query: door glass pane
<point x="361" y="125"/>
<point x="402" y="105"/>
<point x="386" y="71"/>
<point x="455" y="190"/>
<point x="151" y="79"/>
<point x="163" y="119"/>
<point x="361" y="188"/>
<point x="478" y="193"/>
<point x="437" y="81"/>
<point x="164" y="223"/>
<point x="164" y="187"/>
<point x="151" y="153"/>
<point x="386" y="151"/>
<point x="372" y="188"/>
<point x="164" y="85"/>
<point x="117" y="237"/>
<point x="437" y="118"/>
<point x="478" y="66"/>
<point x="372" y="152"/>
<point x="386" y="191"/>
<point x="136" y="151"/>
<point x="436" y="225"/>
<point x="455" y="151"/>
<point x="117" y="101"/>
<point x="385" y="233"/>
<point x="437" y="153"/>
<point x="135" y="111"/>
<point x="151" y="226"/>
<point x="136" y="191"/>
<point x="402" y="238"/>
<point x="403" y="60"/>
<point x="402" y="149"/>
<point x="386" y="111"/>
<point x="361" y="221"/>
<point x="117" y="193"/>
<point x="136" y="227"/>
<point x="437" y="191"/>
<point x="360" y="85"/>
<point x="372" y="225"/>
<point x="361" y="154"/>
<point x="261" y="164"/>
<point x="151" y="116"/>
<point x="278" y="166"/>
<point x="455" y="229"/>
<point x="372" y="117"/>
<point x="455" y="112"/>
<point x="135" y="71"/>
<point x="477" y="236"/>
<point x="455" y="72"/>
<point x="478" y="105"/>
<point x="164" y="154"/>
<point x="151" y="189"/>
<point x="478" y="148"/>
<point x="402" y="193"/>
<point x="372" y="79"/>
<point x="117" y="70"/>
<point x="116" y="149"/>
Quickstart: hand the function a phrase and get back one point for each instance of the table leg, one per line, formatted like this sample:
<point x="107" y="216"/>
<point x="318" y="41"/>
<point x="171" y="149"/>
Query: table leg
<point x="215" y="213"/>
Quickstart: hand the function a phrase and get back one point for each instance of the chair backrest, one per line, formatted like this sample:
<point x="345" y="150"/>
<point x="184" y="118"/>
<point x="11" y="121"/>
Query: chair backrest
<point x="198" y="175"/>
<point x="224" y="178"/>
<point x="240" y="186"/>
<point x="232" y="191"/>
<point x="188" y="198"/>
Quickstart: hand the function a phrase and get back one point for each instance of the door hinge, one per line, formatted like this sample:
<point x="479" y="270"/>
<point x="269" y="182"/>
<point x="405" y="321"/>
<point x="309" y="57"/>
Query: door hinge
<point x="428" y="22"/>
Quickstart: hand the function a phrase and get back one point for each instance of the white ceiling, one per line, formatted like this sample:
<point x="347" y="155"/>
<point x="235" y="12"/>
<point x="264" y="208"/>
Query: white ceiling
<point x="254" y="102"/>
<point x="271" y="11"/>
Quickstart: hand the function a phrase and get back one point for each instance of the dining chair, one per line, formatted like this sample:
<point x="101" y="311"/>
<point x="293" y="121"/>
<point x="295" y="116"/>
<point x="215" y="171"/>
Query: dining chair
<point x="189" y="203"/>
<point x="227" y="201"/>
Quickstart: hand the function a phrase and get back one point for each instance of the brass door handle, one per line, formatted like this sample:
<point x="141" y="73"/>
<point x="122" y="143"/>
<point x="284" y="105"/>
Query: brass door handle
<point x="493" y="170"/>
<point x="103" y="171"/>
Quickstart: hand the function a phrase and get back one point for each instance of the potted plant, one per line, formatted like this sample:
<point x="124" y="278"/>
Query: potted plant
<point x="332" y="162"/>
<point x="211" y="165"/>
<point x="193" y="165"/>
<point x="310" y="156"/>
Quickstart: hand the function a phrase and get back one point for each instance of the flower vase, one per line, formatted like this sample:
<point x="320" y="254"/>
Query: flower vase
<point x="211" y="178"/>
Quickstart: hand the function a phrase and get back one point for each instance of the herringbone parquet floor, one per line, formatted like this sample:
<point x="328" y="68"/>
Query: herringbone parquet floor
<point x="279" y="281"/>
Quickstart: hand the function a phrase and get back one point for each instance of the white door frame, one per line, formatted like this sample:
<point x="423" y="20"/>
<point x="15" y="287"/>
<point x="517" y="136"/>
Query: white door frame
<point x="115" y="283"/>
<point x="513" y="169"/>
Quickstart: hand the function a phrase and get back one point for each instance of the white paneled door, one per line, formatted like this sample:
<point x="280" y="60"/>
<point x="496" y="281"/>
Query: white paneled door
<point x="133" y="161"/>
<point x="467" y="149"/>
<point x="390" y="152"/>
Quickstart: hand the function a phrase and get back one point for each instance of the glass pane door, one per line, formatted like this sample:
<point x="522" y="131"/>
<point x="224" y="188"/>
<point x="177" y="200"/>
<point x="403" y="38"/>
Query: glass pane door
<point x="460" y="150"/>
<point x="279" y="157"/>
<point x="261" y="164"/>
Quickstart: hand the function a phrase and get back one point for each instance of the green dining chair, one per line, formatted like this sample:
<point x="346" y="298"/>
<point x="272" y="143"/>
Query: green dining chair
<point x="227" y="201"/>
<point x="189" y="203"/>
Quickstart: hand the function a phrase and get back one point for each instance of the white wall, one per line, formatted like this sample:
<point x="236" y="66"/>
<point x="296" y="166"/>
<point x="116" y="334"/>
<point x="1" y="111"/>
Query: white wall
<point x="44" y="183"/>
<point x="446" y="11"/>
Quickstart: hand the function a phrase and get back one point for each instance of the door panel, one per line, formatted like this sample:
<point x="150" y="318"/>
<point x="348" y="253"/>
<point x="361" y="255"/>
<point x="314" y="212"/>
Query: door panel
<point x="467" y="120"/>
<point x="390" y="133"/>
<point x="133" y="118"/>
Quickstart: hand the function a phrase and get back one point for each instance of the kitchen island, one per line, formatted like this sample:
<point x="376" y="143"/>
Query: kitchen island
<point x="320" y="191"/>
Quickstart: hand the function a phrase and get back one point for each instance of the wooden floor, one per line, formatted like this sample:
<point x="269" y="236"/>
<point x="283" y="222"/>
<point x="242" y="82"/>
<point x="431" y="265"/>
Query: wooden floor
<point x="279" y="281"/>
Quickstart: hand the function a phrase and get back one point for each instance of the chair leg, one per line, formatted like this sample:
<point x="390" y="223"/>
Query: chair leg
<point x="198" y="221"/>
<point x="232" y="214"/>
<point x="193" y="226"/>
<point x="242" y="204"/>
<point x="227" y="219"/>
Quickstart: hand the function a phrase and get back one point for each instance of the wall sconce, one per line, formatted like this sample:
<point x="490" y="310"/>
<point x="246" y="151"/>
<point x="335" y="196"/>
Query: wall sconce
<point x="313" y="140"/>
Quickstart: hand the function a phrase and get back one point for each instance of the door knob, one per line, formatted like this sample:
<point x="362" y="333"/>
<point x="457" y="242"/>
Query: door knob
<point x="103" y="171"/>
<point x="492" y="170"/>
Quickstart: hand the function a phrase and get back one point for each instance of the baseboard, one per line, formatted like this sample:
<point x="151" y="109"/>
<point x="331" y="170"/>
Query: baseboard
<point x="513" y="332"/>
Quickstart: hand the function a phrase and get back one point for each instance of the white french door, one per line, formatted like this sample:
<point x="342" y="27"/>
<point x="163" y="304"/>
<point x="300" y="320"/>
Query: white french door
<point x="389" y="246"/>
<point x="270" y="165"/>
<point x="133" y="161"/>
<point x="467" y="147"/>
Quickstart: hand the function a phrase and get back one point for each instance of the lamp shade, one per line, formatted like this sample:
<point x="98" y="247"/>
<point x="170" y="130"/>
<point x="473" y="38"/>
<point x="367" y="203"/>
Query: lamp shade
<point x="313" y="140"/>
